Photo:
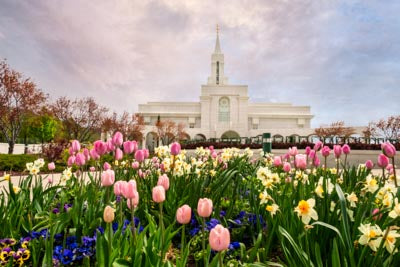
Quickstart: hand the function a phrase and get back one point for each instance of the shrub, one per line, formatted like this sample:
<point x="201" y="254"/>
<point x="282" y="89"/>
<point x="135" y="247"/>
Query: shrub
<point x="15" y="162"/>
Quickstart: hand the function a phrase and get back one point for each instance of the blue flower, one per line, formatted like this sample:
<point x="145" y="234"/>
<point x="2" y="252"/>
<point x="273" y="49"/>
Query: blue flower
<point x="222" y="213"/>
<point x="212" y="223"/>
<point x="194" y="231"/>
<point x="67" y="257"/>
<point x="234" y="245"/>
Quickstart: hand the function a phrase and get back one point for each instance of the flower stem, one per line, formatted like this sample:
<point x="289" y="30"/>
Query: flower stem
<point x="133" y="223"/>
<point x="220" y="259"/>
<point x="203" y="222"/>
<point x="182" y="242"/>
<point x="162" y="232"/>
<point x="394" y="172"/>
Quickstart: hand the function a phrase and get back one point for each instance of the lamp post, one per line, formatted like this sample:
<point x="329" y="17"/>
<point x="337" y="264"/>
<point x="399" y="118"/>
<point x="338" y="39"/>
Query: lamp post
<point x="267" y="143"/>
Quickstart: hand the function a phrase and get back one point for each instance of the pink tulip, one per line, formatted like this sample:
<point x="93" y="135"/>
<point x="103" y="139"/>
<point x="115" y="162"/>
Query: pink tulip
<point x="100" y="147"/>
<point x="117" y="139"/>
<point x="86" y="153"/>
<point x="184" y="214"/>
<point x="50" y="180"/>
<point x="369" y="165"/>
<point x="389" y="167"/>
<point x="214" y="154"/>
<point x="71" y="151"/>
<point x="312" y="154"/>
<point x="155" y="160"/>
<point x="318" y="145"/>
<point x="211" y="148"/>
<point x="346" y="149"/>
<point x="383" y="161"/>
<point x="128" y="147"/>
<point x="135" y="165"/>
<point x="110" y="146"/>
<point x="94" y="154"/>
<point x="337" y="150"/>
<point x="76" y="146"/>
<point x="301" y="162"/>
<point x="219" y="238"/>
<point x="129" y="189"/>
<point x="71" y="161"/>
<point x="163" y="180"/>
<point x="141" y="173"/>
<point x="388" y="149"/>
<point x="316" y="161"/>
<point x="286" y="167"/>
<point x="51" y="166"/>
<point x="118" y="186"/>
<point x="146" y="153"/>
<point x="107" y="178"/>
<point x="134" y="200"/>
<point x="139" y="155"/>
<point x="204" y="207"/>
<point x="286" y="156"/>
<point x="175" y="148"/>
<point x="375" y="211"/>
<point x="108" y="214"/>
<point x="80" y="159"/>
<point x="277" y="161"/>
<point x="118" y="154"/>
<point x="106" y="166"/>
<point x="158" y="194"/>
<point x="293" y="151"/>
<point x="308" y="150"/>
<point x="325" y="151"/>
<point x="92" y="169"/>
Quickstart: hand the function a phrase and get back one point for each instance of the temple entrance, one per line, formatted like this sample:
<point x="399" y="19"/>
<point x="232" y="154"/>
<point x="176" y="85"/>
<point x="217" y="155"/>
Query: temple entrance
<point x="230" y="135"/>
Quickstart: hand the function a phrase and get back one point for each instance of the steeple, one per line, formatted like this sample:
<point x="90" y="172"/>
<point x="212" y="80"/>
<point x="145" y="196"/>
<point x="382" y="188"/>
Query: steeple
<point x="217" y="45"/>
<point x="217" y="65"/>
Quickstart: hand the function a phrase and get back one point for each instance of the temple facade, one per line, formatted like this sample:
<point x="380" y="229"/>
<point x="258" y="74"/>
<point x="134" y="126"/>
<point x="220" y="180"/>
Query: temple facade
<point x="224" y="111"/>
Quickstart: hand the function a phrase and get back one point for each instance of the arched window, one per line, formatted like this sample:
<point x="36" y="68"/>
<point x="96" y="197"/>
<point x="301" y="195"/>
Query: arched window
<point x="224" y="110"/>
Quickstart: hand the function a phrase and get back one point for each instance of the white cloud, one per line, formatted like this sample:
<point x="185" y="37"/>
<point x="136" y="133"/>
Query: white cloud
<point x="333" y="56"/>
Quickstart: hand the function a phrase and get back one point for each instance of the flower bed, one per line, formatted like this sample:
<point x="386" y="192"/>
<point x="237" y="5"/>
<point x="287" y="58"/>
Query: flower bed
<point x="207" y="210"/>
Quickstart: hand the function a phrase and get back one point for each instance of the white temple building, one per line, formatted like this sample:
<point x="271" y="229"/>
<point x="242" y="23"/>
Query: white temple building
<point x="224" y="111"/>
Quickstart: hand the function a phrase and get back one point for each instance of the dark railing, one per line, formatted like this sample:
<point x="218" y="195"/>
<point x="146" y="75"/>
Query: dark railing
<point x="283" y="142"/>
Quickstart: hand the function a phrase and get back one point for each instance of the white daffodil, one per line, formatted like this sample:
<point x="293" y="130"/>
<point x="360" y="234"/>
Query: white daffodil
<point x="371" y="236"/>
<point x="396" y="209"/>
<point x="371" y="184"/>
<point x="390" y="240"/>
<point x="352" y="198"/>
<point x="305" y="210"/>
<point x="272" y="209"/>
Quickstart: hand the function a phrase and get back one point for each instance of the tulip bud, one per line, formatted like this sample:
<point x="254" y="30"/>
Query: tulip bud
<point x="106" y="166"/>
<point x="94" y="154"/>
<point x="293" y="151"/>
<point x="383" y="161"/>
<point x="86" y="153"/>
<point x="128" y="147"/>
<point x="184" y="214"/>
<point x="204" y="207"/>
<point x="135" y="165"/>
<point x="139" y="155"/>
<point x="118" y="154"/>
<point x="92" y="168"/>
<point x="325" y="151"/>
<point x="76" y="146"/>
<point x="118" y="187"/>
<point x="110" y="146"/>
<point x="277" y="161"/>
<point x="108" y="215"/>
<point x="316" y="161"/>
<point x="318" y="145"/>
<point x="388" y="149"/>
<point x="175" y="148"/>
<point x="71" y="161"/>
<point x="286" y="167"/>
<point x="117" y="139"/>
<point x="80" y="159"/>
<point x="158" y="194"/>
<point x="337" y="150"/>
<point x="129" y="189"/>
<point x="346" y="149"/>
<point x="51" y="166"/>
<point x="100" y="147"/>
<point x="219" y="238"/>
<point x="163" y="180"/>
<point x="146" y="153"/>
<point x="369" y="165"/>
<point x="311" y="155"/>
<point x="308" y="149"/>
<point x="107" y="178"/>
<point x="301" y="162"/>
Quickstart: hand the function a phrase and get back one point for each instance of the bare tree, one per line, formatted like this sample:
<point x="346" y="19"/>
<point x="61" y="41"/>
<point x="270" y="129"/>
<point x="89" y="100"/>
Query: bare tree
<point x="169" y="131"/>
<point x="389" y="128"/>
<point x="335" y="129"/>
<point x="19" y="96"/>
<point x="370" y="130"/>
<point x="81" y="118"/>
<point x="131" y="126"/>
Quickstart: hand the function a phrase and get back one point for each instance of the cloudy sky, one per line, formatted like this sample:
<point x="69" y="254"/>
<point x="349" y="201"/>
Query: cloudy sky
<point x="340" y="57"/>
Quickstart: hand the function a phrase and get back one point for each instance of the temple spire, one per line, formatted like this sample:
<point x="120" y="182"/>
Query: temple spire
<point x="217" y="45"/>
